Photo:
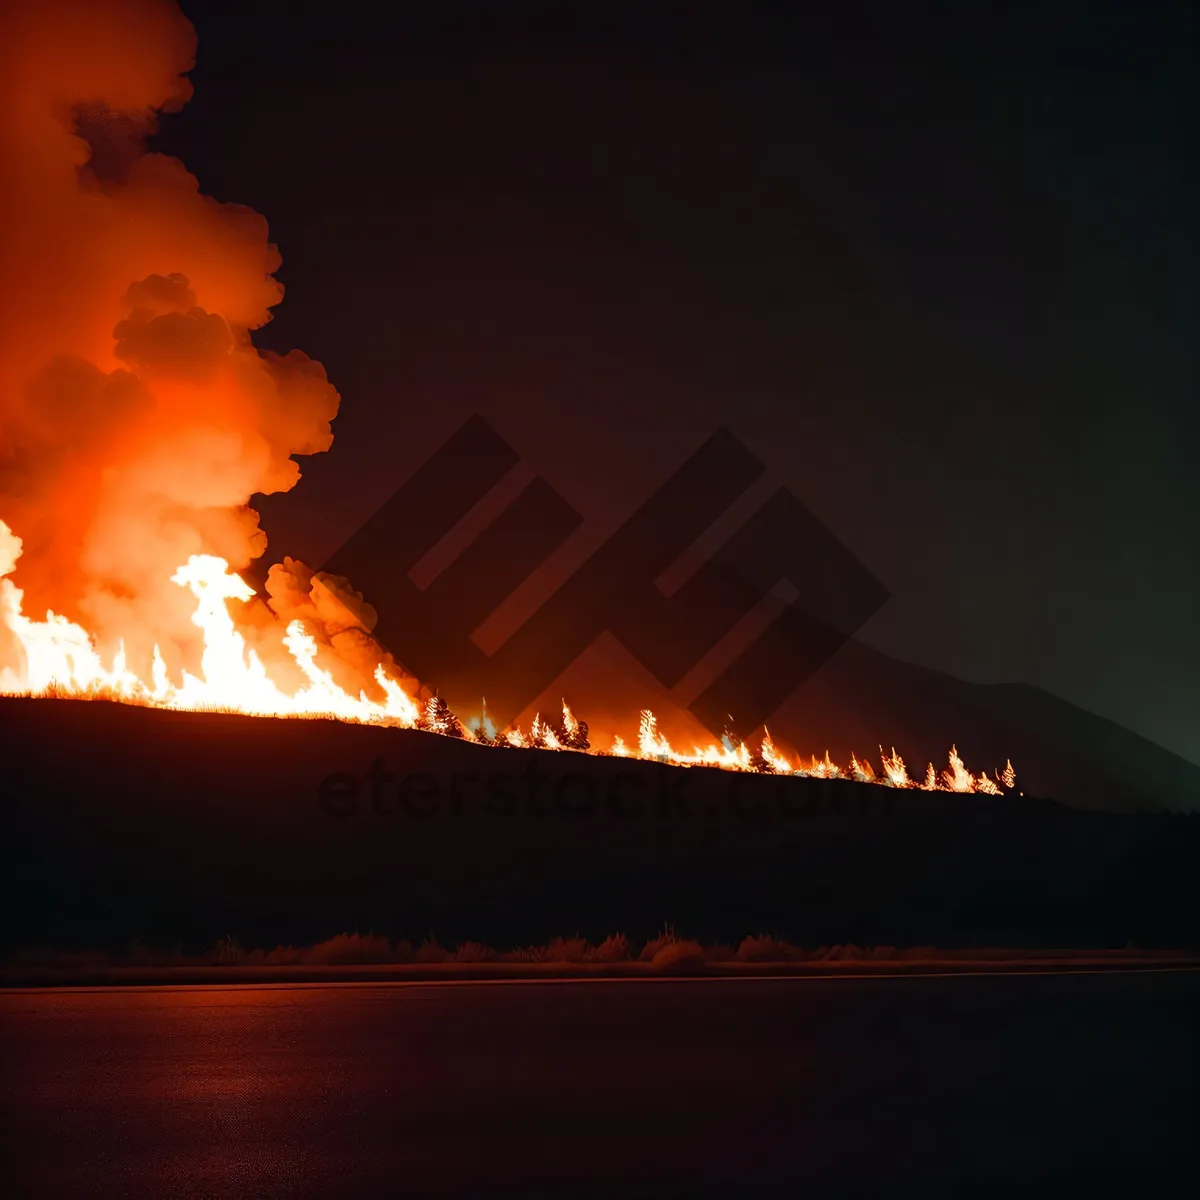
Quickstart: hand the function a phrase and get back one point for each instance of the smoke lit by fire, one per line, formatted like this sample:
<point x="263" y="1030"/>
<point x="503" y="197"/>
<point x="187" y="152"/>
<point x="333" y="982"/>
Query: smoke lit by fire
<point x="137" y="421"/>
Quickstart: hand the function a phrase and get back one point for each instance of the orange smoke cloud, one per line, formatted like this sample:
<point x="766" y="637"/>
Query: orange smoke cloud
<point x="137" y="419"/>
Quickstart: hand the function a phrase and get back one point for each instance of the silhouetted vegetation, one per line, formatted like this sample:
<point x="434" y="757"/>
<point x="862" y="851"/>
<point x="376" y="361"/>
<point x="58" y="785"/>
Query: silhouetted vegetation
<point x="439" y="717"/>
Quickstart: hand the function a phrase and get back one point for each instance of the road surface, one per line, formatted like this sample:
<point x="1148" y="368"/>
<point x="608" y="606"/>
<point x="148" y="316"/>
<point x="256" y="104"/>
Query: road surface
<point x="975" y="1084"/>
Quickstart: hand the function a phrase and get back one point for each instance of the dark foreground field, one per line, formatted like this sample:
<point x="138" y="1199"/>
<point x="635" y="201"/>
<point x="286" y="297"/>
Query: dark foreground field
<point x="177" y="830"/>
<point x="1043" y="1085"/>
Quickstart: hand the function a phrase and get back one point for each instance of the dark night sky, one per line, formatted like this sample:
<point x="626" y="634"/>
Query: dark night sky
<point x="938" y="272"/>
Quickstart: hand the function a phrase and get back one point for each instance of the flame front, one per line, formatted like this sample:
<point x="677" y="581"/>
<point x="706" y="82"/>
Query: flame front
<point x="59" y="658"/>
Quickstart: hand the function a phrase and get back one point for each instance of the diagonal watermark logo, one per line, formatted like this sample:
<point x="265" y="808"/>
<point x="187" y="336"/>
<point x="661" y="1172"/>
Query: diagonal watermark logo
<point x="429" y="629"/>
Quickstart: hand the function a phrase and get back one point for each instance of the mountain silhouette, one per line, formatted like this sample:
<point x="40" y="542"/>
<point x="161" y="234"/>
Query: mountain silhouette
<point x="1059" y="750"/>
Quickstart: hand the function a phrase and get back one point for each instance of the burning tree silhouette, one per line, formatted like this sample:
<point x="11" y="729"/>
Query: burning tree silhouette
<point x="439" y="717"/>
<point x="572" y="732"/>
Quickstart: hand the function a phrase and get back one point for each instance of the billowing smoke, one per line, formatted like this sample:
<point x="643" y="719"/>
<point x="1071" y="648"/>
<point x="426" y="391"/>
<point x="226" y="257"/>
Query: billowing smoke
<point x="137" y="419"/>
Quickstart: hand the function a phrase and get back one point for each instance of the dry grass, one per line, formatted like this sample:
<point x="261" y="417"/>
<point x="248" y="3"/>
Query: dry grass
<point x="765" y="948"/>
<point x="666" y="951"/>
<point x="657" y="943"/>
<point x="849" y="953"/>
<point x="679" y="955"/>
<point x="614" y="948"/>
<point x="430" y="952"/>
<point x="563" y="950"/>
<point x="472" y="952"/>
<point x="347" y="948"/>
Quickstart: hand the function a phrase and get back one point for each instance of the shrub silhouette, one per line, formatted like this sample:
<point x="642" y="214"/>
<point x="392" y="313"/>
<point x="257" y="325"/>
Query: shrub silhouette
<point x="472" y="952"/>
<point x="349" y="948"/>
<point x="679" y="955"/>
<point x="430" y="952"/>
<point x="764" y="948"/>
<point x="655" y="944"/>
<point x="614" y="948"/>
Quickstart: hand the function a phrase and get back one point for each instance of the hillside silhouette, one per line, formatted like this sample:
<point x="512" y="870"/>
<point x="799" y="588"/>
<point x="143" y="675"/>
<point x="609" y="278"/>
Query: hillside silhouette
<point x="1060" y="750"/>
<point x="131" y="824"/>
<point x="860" y="697"/>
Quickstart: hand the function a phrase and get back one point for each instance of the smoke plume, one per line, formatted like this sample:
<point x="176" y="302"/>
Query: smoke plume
<point x="137" y="419"/>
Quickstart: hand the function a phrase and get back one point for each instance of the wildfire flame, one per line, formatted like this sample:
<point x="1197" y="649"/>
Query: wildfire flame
<point x="59" y="658"/>
<point x="138" y="420"/>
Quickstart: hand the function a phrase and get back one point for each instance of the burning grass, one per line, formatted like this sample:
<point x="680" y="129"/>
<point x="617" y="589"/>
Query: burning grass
<point x="60" y="660"/>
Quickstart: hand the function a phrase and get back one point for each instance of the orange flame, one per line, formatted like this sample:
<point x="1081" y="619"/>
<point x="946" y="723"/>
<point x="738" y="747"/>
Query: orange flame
<point x="59" y="658"/>
<point x="138" y="420"/>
